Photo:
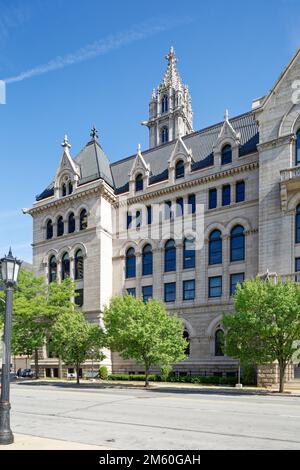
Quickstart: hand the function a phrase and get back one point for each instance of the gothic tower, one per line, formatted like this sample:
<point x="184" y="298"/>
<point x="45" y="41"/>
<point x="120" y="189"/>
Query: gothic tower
<point x="170" y="109"/>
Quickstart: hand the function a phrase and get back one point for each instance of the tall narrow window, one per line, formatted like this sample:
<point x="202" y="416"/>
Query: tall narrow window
<point x="147" y="260"/>
<point x="71" y="223"/>
<point x="70" y="187"/>
<point x="79" y="297"/>
<point x="138" y="219"/>
<point x="139" y="182"/>
<point x="65" y="266"/>
<point x="226" y="195"/>
<point x="236" y="279"/>
<point x="52" y="269"/>
<point x="168" y="210"/>
<point x="49" y="230"/>
<point x="147" y="292"/>
<point x="164" y="133"/>
<point x="212" y="198"/>
<point x="170" y="256"/>
<point x="164" y="104"/>
<point x="170" y="292"/>
<point x="64" y="190"/>
<point x="128" y="220"/>
<point x="192" y="203"/>
<point x="240" y="191"/>
<point x="149" y="215"/>
<point x="297" y="159"/>
<point x="78" y="265"/>
<point x="189" y="253"/>
<point x="83" y="220"/>
<point x="179" y="169"/>
<point x="188" y="289"/>
<point x="297" y="225"/>
<point x="219" y="343"/>
<point x="60" y="226"/>
<point x="187" y="337"/>
<point x="215" y="247"/>
<point x="226" y="155"/>
<point x="130" y="263"/>
<point x="215" y="286"/>
<point x="179" y="207"/>
<point x="237" y="244"/>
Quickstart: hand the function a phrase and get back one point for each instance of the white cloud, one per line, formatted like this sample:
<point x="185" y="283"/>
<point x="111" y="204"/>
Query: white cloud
<point x="103" y="46"/>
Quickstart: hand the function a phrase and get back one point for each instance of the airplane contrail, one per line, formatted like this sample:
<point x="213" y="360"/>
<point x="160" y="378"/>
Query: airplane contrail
<point x="102" y="46"/>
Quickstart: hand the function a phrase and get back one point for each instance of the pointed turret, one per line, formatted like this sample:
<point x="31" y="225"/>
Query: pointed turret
<point x="170" y="110"/>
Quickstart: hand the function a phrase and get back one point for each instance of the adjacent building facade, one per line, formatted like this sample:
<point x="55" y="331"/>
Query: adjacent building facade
<point x="120" y="227"/>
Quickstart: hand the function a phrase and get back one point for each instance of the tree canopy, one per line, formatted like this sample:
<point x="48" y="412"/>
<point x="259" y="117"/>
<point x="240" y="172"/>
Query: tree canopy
<point x="265" y="325"/>
<point x="144" y="332"/>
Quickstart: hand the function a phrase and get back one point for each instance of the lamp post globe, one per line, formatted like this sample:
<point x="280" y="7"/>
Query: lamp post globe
<point x="10" y="267"/>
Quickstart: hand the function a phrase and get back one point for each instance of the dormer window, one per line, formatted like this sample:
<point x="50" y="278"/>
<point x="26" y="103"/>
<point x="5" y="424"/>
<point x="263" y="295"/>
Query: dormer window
<point x="226" y="155"/>
<point x="64" y="190"/>
<point x="164" y="104"/>
<point x="70" y="188"/>
<point x="139" y="183"/>
<point x="164" y="135"/>
<point x="179" y="169"/>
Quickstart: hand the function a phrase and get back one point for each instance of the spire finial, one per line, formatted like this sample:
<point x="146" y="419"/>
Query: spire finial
<point x="139" y="149"/>
<point x="94" y="133"/>
<point x="65" y="143"/>
<point x="171" y="58"/>
<point x="226" y="115"/>
<point x="10" y="252"/>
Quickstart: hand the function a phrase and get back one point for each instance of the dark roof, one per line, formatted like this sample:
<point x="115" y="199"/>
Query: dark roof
<point x="94" y="163"/>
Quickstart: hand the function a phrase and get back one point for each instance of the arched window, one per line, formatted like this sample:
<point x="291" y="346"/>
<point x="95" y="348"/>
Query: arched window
<point x="297" y="225"/>
<point x="52" y="269"/>
<point x="164" y="135"/>
<point x="130" y="263"/>
<point x="170" y="256"/>
<point x="187" y="337"/>
<point x="65" y="266"/>
<point x="70" y="187"/>
<point x="60" y="226"/>
<point x="219" y="343"/>
<point x="237" y="244"/>
<point x="164" y="104"/>
<point x="83" y="220"/>
<point x="139" y="182"/>
<point x="179" y="169"/>
<point x="226" y="154"/>
<point x="215" y="247"/>
<point x="189" y="253"/>
<point x="78" y="265"/>
<point x="49" y="230"/>
<point x="297" y="156"/>
<point x="64" y="190"/>
<point x="71" y="223"/>
<point x="147" y="260"/>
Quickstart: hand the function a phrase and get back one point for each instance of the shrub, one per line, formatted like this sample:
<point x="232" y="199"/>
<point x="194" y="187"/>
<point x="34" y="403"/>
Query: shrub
<point x="194" y="379"/>
<point x="248" y="374"/>
<point x="103" y="373"/>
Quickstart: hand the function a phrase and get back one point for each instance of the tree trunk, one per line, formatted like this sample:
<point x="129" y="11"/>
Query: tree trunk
<point x="77" y="373"/>
<point x="60" y="374"/>
<point x="36" y="363"/>
<point x="282" y="367"/>
<point x="147" y="376"/>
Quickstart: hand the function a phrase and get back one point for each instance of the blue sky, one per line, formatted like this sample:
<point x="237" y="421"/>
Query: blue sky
<point x="73" y="63"/>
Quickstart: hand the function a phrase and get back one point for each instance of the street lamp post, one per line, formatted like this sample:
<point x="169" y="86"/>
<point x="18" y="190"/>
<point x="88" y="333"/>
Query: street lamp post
<point x="9" y="269"/>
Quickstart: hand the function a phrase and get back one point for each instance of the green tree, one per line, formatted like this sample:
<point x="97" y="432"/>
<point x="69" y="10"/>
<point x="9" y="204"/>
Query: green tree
<point x="144" y="332"/>
<point x="265" y="325"/>
<point x="74" y="339"/>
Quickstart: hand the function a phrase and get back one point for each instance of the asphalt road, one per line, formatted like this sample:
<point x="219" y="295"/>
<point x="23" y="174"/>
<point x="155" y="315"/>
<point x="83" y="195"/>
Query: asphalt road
<point x="157" y="418"/>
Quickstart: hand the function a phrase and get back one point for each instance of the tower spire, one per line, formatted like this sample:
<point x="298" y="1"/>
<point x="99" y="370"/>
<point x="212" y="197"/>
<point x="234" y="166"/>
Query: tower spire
<point x="170" y="115"/>
<point x="94" y="133"/>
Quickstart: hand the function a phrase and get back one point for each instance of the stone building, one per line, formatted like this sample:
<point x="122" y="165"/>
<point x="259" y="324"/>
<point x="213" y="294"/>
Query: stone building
<point x="117" y="227"/>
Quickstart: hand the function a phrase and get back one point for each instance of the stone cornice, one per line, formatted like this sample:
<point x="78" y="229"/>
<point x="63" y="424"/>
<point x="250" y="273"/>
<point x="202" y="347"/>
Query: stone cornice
<point x="286" y="139"/>
<point x="101" y="188"/>
<point x="188" y="184"/>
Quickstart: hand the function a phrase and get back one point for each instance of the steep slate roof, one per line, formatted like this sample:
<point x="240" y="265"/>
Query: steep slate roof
<point x="94" y="163"/>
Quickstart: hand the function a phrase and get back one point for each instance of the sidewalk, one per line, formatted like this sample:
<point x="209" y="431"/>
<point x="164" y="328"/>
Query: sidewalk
<point x="25" y="442"/>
